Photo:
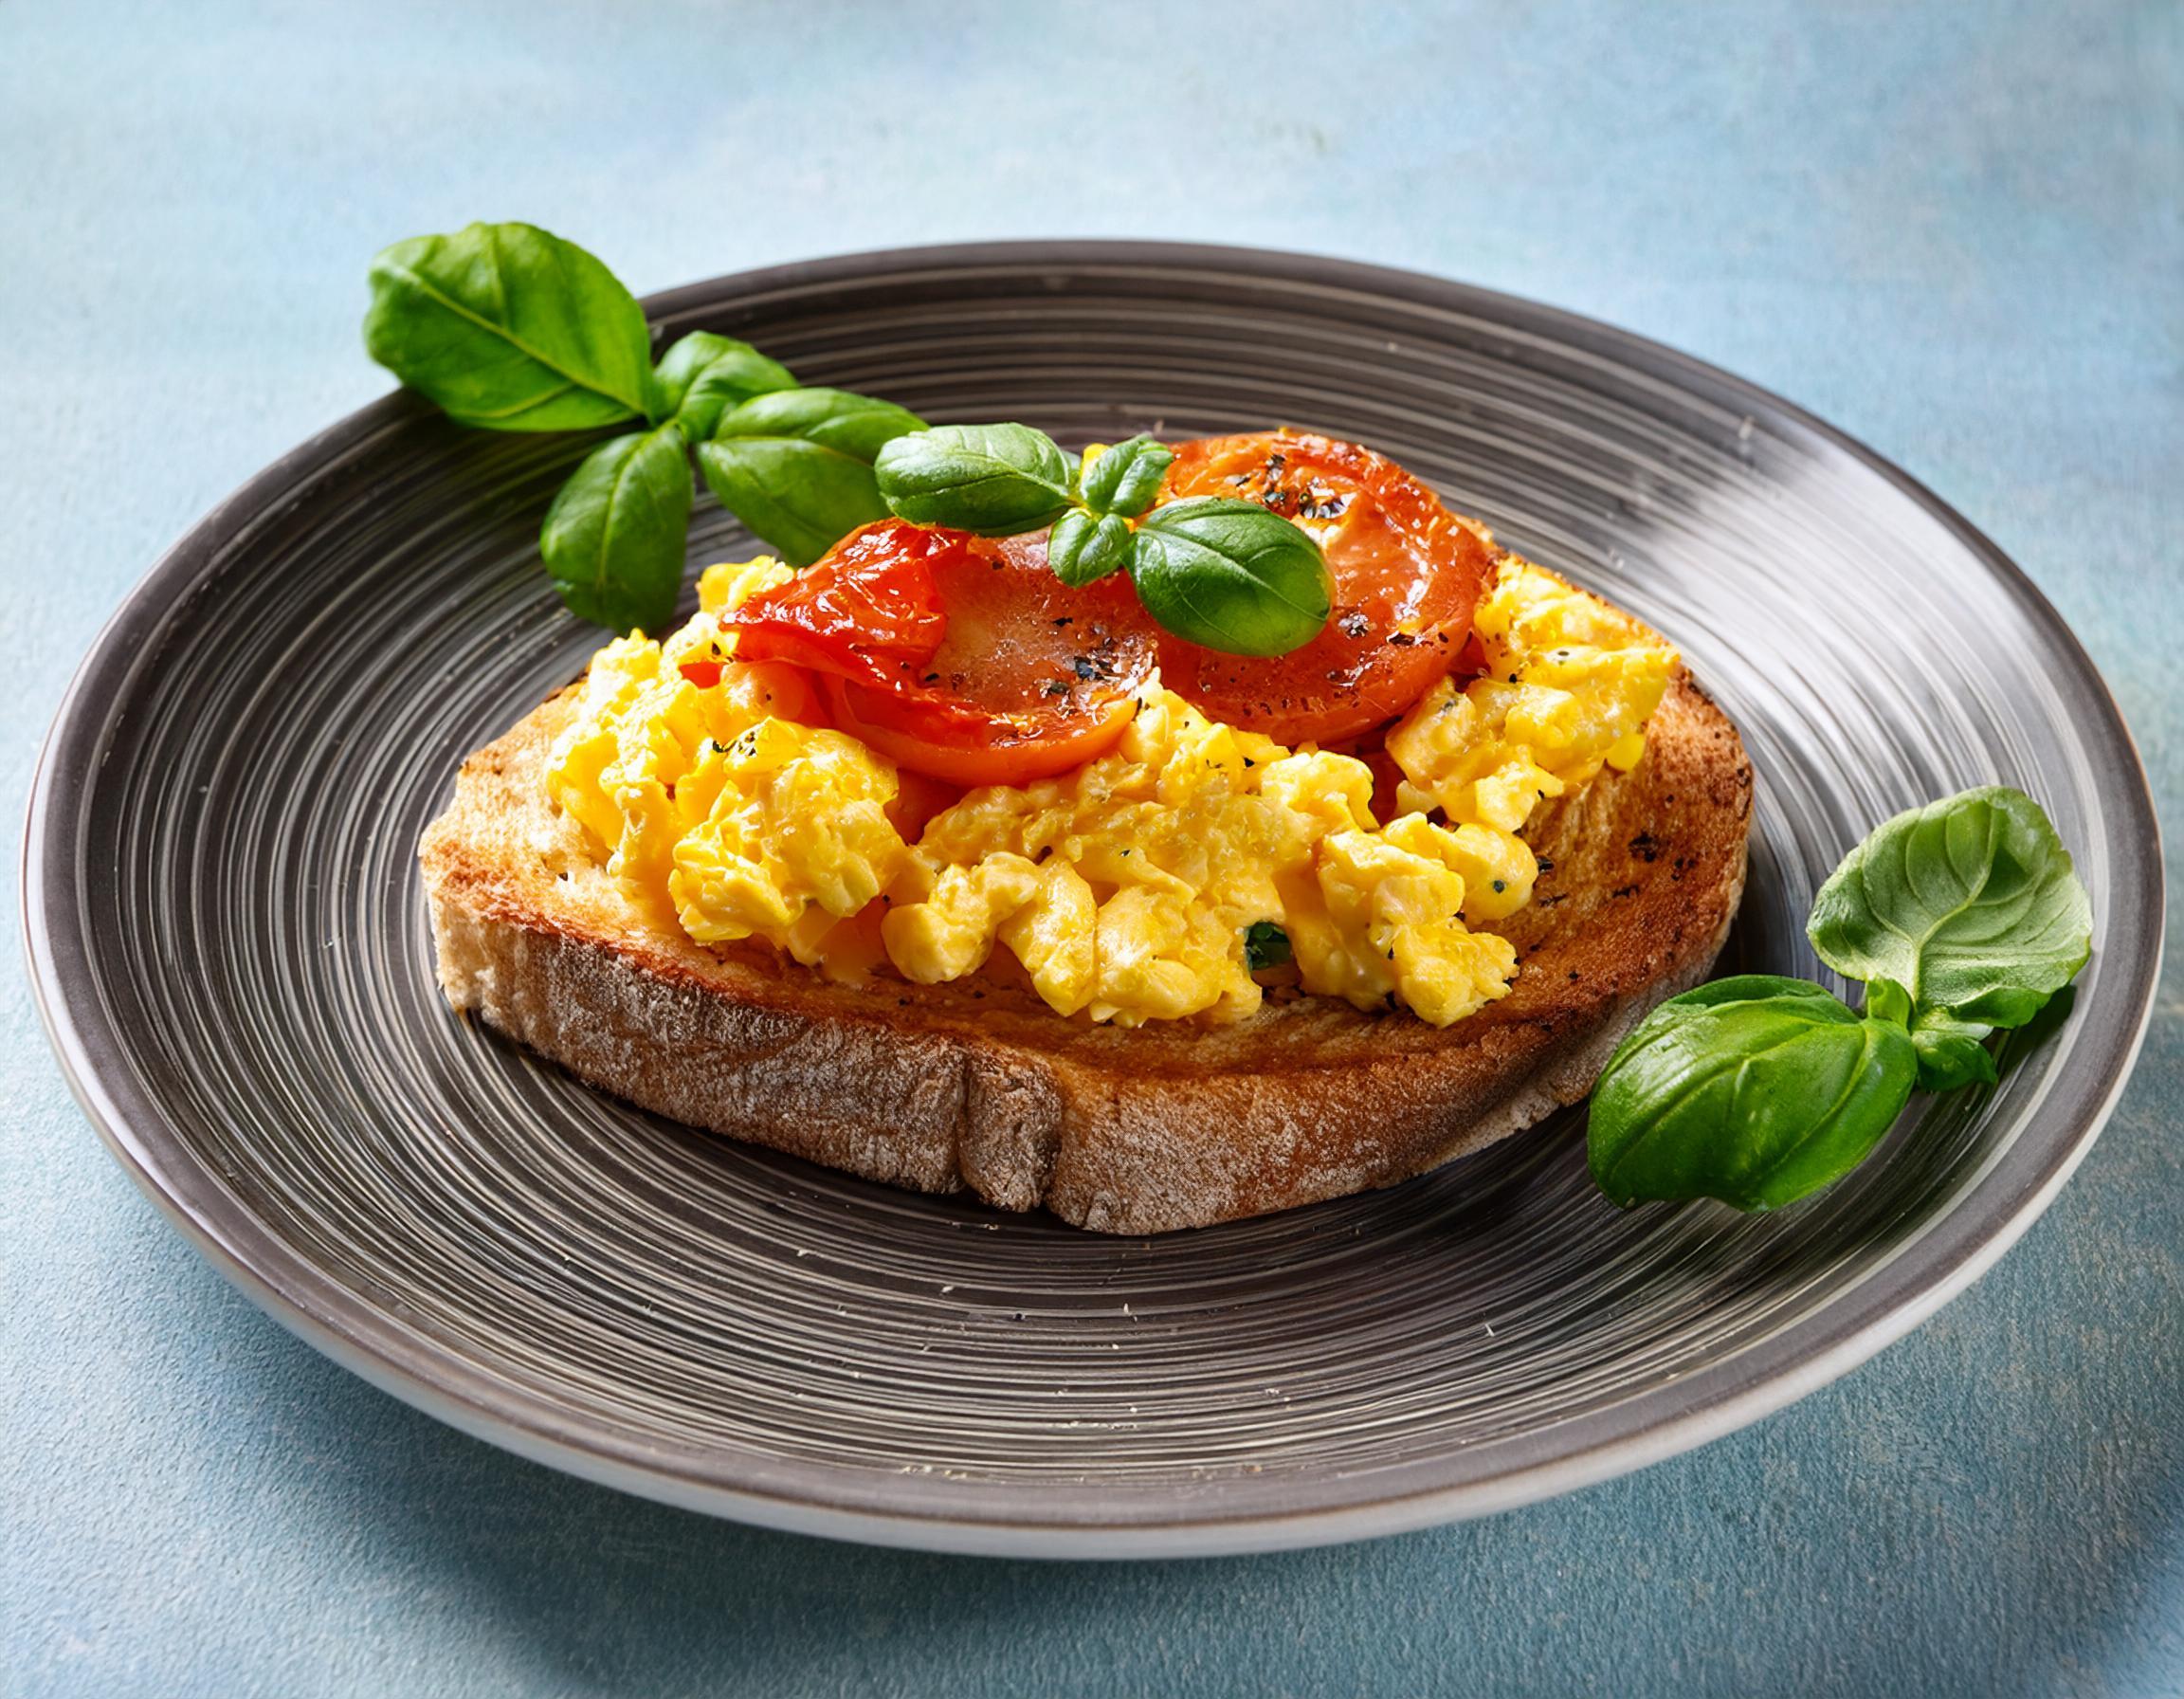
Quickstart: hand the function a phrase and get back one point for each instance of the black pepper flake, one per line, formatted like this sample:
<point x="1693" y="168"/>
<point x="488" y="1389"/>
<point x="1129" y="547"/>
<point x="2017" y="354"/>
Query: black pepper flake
<point x="1056" y="687"/>
<point x="1065" y="620"/>
<point x="1401" y="639"/>
<point x="1354" y="625"/>
<point x="1084" y="667"/>
<point x="1499" y="886"/>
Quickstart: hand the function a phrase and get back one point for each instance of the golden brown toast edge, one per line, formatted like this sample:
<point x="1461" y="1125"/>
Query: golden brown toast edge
<point x="1134" y="1131"/>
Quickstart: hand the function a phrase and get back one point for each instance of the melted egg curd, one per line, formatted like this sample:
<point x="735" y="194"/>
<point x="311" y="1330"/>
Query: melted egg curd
<point x="1123" y="889"/>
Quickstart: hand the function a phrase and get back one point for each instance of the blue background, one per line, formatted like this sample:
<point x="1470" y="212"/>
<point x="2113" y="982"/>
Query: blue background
<point x="1954" y="231"/>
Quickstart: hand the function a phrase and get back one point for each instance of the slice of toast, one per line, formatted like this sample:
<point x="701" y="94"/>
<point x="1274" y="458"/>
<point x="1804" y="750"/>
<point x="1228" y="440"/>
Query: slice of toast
<point x="1123" y="1130"/>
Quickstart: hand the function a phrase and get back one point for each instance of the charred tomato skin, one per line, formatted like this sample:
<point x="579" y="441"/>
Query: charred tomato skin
<point x="1406" y="575"/>
<point x="959" y="657"/>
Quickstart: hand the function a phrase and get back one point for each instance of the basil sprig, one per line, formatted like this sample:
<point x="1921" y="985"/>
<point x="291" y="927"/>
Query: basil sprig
<point x="508" y="327"/>
<point x="1963" y="917"/>
<point x="1225" y="573"/>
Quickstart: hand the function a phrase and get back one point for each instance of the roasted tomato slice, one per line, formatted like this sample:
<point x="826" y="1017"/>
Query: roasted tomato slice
<point x="1023" y="677"/>
<point x="1407" y="573"/>
<point x="869" y="610"/>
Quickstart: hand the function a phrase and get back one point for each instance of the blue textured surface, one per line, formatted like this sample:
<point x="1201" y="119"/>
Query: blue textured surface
<point x="1955" y="230"/>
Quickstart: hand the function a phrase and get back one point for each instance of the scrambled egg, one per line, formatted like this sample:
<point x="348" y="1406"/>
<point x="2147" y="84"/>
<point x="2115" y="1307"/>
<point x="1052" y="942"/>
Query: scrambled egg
<point x="1124" y="890"/>
<point x="1569" y="685"/>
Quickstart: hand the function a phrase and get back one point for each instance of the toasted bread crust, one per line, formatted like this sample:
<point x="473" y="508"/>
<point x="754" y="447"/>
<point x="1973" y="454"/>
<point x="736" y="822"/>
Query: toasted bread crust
<point x="1132" y="1131"/>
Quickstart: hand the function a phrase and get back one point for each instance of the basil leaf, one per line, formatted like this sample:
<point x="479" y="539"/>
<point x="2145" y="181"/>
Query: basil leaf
<point x="1082" y="547"/>
<point x="795" y="466"/>
<point x="1969" y="905"/>
<point x="509" y="327"/>
<point x="1126" y="478"/>
<point x="1231" y="575"/>
<point x="1265" y="946"/>
<point x="1756" y="1090"/>
<point x="703" y="375"/>
<point x="993" y="480"/>
<point x="615" y="538"/>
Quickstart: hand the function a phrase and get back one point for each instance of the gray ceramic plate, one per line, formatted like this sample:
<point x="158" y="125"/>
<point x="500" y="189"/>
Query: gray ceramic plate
<point x="227" y="937"/>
